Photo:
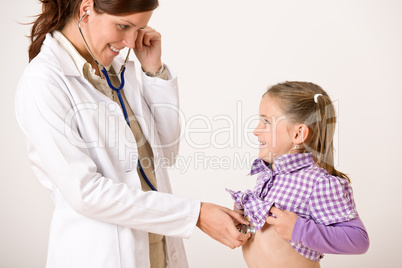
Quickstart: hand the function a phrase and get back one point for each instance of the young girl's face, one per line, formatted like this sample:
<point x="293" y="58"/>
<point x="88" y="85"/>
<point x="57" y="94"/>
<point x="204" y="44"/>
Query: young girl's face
<point x="273" y="131"/>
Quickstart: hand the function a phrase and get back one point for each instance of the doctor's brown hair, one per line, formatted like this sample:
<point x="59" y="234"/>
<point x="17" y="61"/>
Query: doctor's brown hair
<point x="297" y="102"/>
<point x="56" y="13"/>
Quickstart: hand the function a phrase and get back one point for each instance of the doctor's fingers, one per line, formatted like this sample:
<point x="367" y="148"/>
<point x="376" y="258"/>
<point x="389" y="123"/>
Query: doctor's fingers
<point x="234" y="236"/>
<point x="237" y="238"/>
<point x="147" y="37"/>
<point x="220" y="230"/>
<point x="228" y="235"/>
<point x="236" y="215"/>
<point x="230" y="243"/>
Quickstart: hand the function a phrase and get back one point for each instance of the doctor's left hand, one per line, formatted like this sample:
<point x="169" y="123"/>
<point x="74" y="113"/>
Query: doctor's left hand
<point x="148" y="49"/>
<point x="220" y="224"/>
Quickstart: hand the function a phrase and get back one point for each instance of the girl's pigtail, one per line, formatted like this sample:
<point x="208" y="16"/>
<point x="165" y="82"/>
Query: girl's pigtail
<point x="326" y="123"/>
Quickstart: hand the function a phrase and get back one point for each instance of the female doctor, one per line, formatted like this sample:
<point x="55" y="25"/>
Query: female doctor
<point x="97" y="139"/>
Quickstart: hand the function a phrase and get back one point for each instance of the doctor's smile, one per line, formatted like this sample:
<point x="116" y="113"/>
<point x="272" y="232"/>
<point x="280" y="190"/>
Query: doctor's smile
<point x="115" y="49"/>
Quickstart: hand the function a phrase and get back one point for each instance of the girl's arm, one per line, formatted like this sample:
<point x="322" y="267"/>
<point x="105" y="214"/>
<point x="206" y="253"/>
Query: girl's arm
<point x="349" y="237"/>
<point x="339" y="238"/>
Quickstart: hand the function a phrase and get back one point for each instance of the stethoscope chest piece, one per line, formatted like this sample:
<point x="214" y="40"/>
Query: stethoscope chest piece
<point x="244" y="228"/>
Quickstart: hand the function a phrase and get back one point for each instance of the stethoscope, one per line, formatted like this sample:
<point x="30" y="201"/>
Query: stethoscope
<point x="106" y="73"/>
<point x="244" y="229"/>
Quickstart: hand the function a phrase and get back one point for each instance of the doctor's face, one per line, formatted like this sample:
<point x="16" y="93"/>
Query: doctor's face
<point x="106" y="34"/>
<point x="273" y="131"/>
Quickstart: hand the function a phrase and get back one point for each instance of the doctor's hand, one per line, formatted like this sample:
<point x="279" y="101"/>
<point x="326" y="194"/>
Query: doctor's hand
<point x="283" y="223"/>
<point x="220" y="224"/>
<point x="148" y="49"/>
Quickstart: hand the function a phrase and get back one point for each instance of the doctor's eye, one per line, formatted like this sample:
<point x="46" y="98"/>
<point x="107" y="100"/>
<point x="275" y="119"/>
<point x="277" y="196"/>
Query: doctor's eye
<point x="122" y="26"/>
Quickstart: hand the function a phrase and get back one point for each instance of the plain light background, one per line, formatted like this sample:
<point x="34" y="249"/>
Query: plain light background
<point x="227" y="53"/>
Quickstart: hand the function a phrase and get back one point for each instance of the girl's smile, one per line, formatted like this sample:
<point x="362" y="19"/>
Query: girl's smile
<point x="273" y="131"/>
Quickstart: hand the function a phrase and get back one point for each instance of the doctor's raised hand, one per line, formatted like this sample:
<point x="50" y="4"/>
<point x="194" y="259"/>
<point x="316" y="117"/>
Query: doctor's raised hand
<point x="148" y="49"/>
<point x="95" y="134"/>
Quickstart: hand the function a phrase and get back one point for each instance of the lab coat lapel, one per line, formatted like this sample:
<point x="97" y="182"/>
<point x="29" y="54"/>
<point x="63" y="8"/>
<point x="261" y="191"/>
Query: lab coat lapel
<point x="66" y="63"/>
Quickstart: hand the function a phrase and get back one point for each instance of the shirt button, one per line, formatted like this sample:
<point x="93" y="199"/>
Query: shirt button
<point x="175" y="256"/>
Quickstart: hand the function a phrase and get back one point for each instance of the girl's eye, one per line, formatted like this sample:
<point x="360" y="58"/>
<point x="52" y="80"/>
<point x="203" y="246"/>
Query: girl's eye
<point x="122" y="26"/>
<point x="266" y="122"/>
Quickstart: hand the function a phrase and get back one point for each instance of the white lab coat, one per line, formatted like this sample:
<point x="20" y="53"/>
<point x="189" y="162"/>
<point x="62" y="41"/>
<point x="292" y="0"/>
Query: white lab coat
<point x="82" y="150"/>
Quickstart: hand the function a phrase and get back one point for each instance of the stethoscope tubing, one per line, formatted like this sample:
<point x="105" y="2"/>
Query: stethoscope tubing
<point x="122" y="82"/>
<point x="123" y="106"/>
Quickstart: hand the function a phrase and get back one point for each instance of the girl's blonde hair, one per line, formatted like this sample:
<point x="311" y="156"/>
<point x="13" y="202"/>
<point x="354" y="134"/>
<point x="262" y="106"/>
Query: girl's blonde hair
<point x="297" y="100"/>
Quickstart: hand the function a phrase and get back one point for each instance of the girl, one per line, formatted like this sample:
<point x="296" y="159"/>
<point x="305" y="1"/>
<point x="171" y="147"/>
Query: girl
<point x="93" y="139"/>
<point x="301" y="205"/>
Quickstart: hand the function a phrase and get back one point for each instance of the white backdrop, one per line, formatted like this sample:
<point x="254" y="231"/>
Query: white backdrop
<point x="227" y="53"/>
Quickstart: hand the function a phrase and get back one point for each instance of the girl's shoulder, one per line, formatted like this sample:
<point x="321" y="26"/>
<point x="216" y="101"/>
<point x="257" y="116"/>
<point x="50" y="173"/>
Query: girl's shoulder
<point x="332" y="200"/>
<point x="321" y="181"/>
<point x="332" y="187"/>
<point x="326" y="178"/>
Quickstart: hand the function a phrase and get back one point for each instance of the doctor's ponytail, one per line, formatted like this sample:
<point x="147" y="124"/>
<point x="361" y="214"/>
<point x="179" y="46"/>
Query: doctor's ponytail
<point x="54" y="16"/>
<point x="57" y="13"/>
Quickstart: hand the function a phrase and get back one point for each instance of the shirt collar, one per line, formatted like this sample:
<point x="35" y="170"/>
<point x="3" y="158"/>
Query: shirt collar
<point x="78" y="60"/>
<point x="258" y="166"/>
<point x="284" y="164"/>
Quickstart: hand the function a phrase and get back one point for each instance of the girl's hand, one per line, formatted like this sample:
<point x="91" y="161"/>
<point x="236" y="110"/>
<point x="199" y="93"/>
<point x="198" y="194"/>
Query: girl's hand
<point x="148" y="49"/>
<point x="283" y="223"/>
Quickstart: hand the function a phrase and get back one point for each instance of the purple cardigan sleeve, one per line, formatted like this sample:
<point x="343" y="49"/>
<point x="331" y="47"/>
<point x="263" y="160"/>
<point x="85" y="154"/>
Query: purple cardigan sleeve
<point x="340" y="238"/>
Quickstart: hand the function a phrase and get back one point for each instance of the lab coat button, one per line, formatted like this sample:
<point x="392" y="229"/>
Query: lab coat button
<point x="112" y="107"/>
<point x="174" y="256"/>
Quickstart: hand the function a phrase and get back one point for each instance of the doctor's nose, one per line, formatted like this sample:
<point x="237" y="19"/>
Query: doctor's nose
<point x="129" y="40"/>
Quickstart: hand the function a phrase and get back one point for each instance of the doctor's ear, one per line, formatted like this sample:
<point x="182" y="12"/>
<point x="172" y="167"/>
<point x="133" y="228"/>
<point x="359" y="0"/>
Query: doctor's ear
<point x="85" y="7"/>
<point x="300" y="134"/>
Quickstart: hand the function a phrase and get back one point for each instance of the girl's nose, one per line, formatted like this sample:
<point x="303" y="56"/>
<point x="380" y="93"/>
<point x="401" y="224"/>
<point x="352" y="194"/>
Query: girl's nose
<point x="257" y="130"/>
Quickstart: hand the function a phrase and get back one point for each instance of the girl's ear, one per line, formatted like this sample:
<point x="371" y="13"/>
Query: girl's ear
<point x="300" y="133"/>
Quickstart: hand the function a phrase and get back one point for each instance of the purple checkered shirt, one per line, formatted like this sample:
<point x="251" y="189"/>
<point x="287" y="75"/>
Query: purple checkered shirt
<point x="297" y="185"/>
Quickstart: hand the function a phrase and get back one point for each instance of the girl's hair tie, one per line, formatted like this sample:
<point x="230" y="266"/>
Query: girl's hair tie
<point x="316" y="97"/>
